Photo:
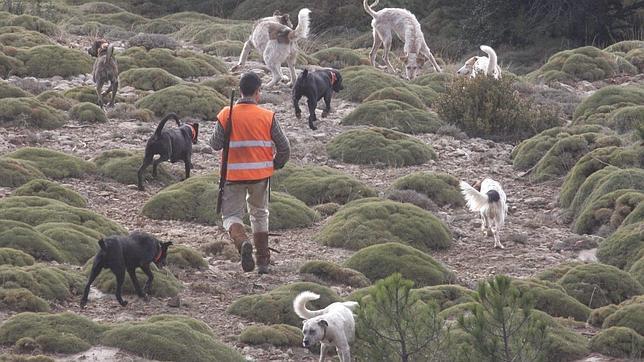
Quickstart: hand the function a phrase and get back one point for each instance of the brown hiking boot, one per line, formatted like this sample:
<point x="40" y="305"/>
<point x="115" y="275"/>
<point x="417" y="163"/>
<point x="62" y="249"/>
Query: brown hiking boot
<point x="243" y="245"/>
<point x="262" y="253"/>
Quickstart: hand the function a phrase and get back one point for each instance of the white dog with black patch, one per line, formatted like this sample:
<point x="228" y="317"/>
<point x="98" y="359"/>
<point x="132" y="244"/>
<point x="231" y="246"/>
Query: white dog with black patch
<point x="331" y="326"/>
<point x="490" y="202"/>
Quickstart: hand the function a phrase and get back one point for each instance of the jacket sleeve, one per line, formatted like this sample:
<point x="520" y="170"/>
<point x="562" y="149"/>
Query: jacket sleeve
<point x="218" y="138"/>
<point x="282" y="145"/>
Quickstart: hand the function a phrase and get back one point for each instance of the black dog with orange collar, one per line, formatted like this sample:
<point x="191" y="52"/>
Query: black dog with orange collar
<point x="314" y="86"/>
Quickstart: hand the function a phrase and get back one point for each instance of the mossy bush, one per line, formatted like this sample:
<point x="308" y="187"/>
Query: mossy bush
<point x="152" y="41"/>
<point x="123" y="166"/>
<point x="630" y="316"/>
<point x="372" y="221"/>
<point x="624" y="46"/>
<point x="185" y="100"/>
<point x="30" y="22"/>
<point x="489" y="108"/>
<point x="276" y="306"/>
<point x="56" y="100"/>
<point x="76" y="242"/>
<point x="626" y="119"/>
<point x="597" y="108"/>
<point x="164" y="284"/>
<point x="620" y="342"/>
<point x="400" y="94"/>
<point x="278" y="335"/>
<point x="445" y="296"/>
<point x="52" y="163"/>
<point x="181" y="63"/>
<point x="381" y="260"/>
<point x="608" y="211"/>
<point x="23" y="237"/>
<point x="99" y="7"/>
<point x="319" y="184"/>
<point x="552" y="299"/>
<point x="637" y="269"/>
<point x="22" y="300"/>
<point x="11" y="91"/>
<point x="438" y="82"/>
<point x="170" y="337"/>
<point x="379" y="146"/>
<point x="8" y="64"/>
<point x="441" y="188"/>
<point x="185" y="257"/>
<point x="393" y="114"/>
<point x="87" y="112"/>
<point x="29" y="112"/>
<point x="411" y="197"/>
<point x="15" y="257"/>
<point x="45" y="61"/>
<point x="157" y="26"/>
<point x="26" y="358"/>
<point x="14" y="172"/>
<point x="225" y="48"/>
<point x="636" y="57"/>
<point x="553" y="274"/>
<point x="205" y="32"/>
<point x="361" y="81"/>
<point x="624" y="247"/>
<point x="222" y="83"/>
<point x="338" y="58"/>
<point x="19" y="37"/>
<point x="327" y="209"/>
<point x="148" y="78"/>
<point x="335" y="274"/>
<point x="51" y="190"/>
<point x="599" y="315"/>
<point x="597" y="285"/>
<point x="47" y="282"/>
<point x="594" y="161"/>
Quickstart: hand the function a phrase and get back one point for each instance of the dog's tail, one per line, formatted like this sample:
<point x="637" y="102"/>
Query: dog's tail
<point x="109" y="53"/>
<point x="492" y="64"/>
<point x="299" y="305"/>
<point x="303" y="22"/>
<point x="475" y="199"/>
<point x="368" y="8"/>
<point x="157" y="133"/>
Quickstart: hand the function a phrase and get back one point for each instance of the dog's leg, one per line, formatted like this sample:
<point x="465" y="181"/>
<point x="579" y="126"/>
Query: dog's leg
<point x="135" y="282"/>
<point x="243" y="56"/>
<point x="148" y="284"/>
<point x="324" y="350"/>
<point x="99" y="87"/>
<point x="96" y="270"/>
<point x="155" y="163"/>
<point x="344" y="351"/>
<point x="385" y="56"/>
<point x="292" y="58"/>
<point x="296" y="105"/>
<point x="114" y="86"/>
<point x="327" y="102"/>
<point x="276" y="71"/>
<point x="120" y="278"/>
<point x="187" y="164"/>
<point x="147" y="161"/>
<point x="497" y="238"/>
<point x="377" y="42"/>
<point x="312" y="106"/>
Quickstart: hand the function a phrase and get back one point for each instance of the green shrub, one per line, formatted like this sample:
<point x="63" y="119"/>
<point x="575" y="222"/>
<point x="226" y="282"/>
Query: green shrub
<point x="22" y="300"/>
<point x="279" y="335"/>
<point x="551" y="298"/>
<point x="393" y="114"/>
<point x="276" y="306"/>
<point x="56" y="100"/>
<point x="29" y="112"/>
<point x="489" y="108"/>
<point x="339" y="58"/>
<point x="618" y="342"/>
<point x="148" y="78"/>
<point x="123" y="166"/>
<point x="11" y="91"/>
<point x="152" y="41"/>
<point x="630" y="316"/>
<point x="84" y="94"/>
<point x="441" y="188"/>
<point x="597" y="285"/>
<point x="445" y="296"/>
<point x="23" y="237"/>
<point x="49" y="60"/>
<point x="379" y="146"/>
<point x="636" y="57"/>
<point x="553" y="274"/>
<point x="327" y="209"/>
<point x="400" y="94"/>
<point x="585" y="63"/>
<point x="100" y="7"/>
<point x="222" y="83"/>
<point x="361" y="81"/>
<point x="205" y="32"/>
<point x="637" y="269"/>
<point x="15" y="257"/>
<point x="609" y="210"/>
<point x="51" y="190"/>
<point x="169" y="337"/>
<point x="52" y="163"/>
<point x="19" y="37"/>
<point x="597" y="108"/>
<point x="372" y="221"/>
<point x="87" y="112"/>
<point x="9" y="65"/>
<point x="182" y="63"/>
<point x="14" y="173"/>
<point x="157" y="26"/>
<point x="185" y="100"/>
<point x="31" y="23"/>
<point x="77" y="243"/>
<point x="380" y="261"/>
<point x="599" y="315"/>
<point x="319" y="184"/>
<point x="334" y="273"/>
<point x="225" y="48"/>
<point x="47" y="282"/>
<point x="164" y="284"/>
<point x="426" y="94"/>
<point x="624" y="247"/>
<point x="24" y="358"/>
<point x="625" y="119"/>
<point x="186" y="257"/>
<point x="439" y="82"/>
<point x="624" y="46"/>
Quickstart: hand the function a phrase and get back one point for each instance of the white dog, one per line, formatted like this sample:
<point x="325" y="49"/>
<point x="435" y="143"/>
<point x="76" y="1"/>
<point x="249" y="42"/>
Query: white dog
<point x="490" y="202"/>
<point x="331" y="326"/>
<point x="482" y="65"/>
<point x="405" y="25"/>
<point x="277" y="42"/>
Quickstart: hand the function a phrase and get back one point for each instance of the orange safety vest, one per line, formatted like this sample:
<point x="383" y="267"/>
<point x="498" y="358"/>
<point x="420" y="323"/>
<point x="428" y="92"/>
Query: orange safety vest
<point x="250" y="154"/>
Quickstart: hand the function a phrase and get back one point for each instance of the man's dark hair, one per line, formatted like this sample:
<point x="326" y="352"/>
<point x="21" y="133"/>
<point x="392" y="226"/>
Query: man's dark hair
<point x="249" y="83"/>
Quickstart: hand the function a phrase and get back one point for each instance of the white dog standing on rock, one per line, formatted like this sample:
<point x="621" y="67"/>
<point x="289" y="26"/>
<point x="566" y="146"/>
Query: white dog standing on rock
<point x="331" y="326"/>
<point x="482" y="65"/>
<point x="490" y="202"/>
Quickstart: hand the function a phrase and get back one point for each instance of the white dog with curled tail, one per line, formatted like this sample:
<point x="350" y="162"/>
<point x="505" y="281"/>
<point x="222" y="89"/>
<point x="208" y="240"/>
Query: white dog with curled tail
<point x="482" y="65"/>
<point x="490" y="202"/>
<point x="333" y="326"/>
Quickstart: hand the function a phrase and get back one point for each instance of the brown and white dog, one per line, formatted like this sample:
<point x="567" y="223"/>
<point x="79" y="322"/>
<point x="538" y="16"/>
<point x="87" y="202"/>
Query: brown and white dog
<point x="105" y="69"/>
<point x="490" y="202"/>
<point x="482" y="65"/>
<point x="404" y="24"/>
<point x="277" y="42"/>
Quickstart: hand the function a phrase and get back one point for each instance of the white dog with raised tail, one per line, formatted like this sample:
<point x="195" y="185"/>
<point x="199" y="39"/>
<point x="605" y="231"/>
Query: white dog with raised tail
<point x="482" y="65"/>
<point x="331" y="326"/>
<point x="490" y="202"/>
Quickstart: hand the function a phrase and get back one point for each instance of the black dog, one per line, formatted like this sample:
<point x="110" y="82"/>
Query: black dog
<point x="171" y="145"/>
<point x="121" y="253"/>
<point x="105" y="69"/>
<point x="314" y="86"/>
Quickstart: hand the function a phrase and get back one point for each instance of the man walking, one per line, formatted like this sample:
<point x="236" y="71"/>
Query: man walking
<point x="251" y="160"/>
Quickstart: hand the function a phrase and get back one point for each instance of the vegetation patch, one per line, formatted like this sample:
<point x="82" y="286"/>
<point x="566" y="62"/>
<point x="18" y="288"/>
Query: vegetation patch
<point x="56" y="100"/>
<point x="225" y="48"/>
<point x="598" y="108"/>
<point x="552" y="299"/>
<point x="629" y="316"/>
<point x="214" y="29"/>
<point x="123" y="166"/>
<point x="148" y="78"/>
<point x="23" y="237"/>
<point x="607" y="212"/>
<point x="319" y="184"/>
<point x="185" y="257"/>
<point x="52" y="163"/>
<point x="15" y="257"/>
<point x="11" y="91"/>
<point x="373" y="221"/>
<point x="395" y="115"/>
<point x="51" y="190"/>
<point x="29" y="112"/>
<point x="152" y="41"/>
<point x="46" y="61"/>
<point x="276" y="306"/>
<point x="636" y="57"/>
<point x="185" y="100"/>
<point x="380" y="261"/>
<point x="361" y="81"/>
<point x="605" y="181"/>
<point x="30" y="22"/>
<point x="379" y="146"/>
<point x="624" y="247"/>
<point x="14" y="172"/>
<point x="87" y="112"/>
<point x="637" y="269"/>
<point x="555" y="273"/>
<point x="441" y="188"/>
<point x="19" y="37"/>
<point x="279" y="335"/>
<point x="597" y="285"/>
<point x="599" y="315"/>
<point x="181" y="63"/>
<point x="339" y="58"/>
<point x="335" y="274"/>
<point x="47" y="282"/>
<point x="439" y="82"/>
<point x="618" y="342"/>
<point x="400" y="94"/>
<point x="445" y="296"/>
<point x="76" y="242"/>
<point x="22" y="300"/>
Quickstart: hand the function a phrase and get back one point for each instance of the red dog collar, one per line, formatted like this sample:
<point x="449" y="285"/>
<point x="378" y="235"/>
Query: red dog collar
<point x="158" y="256"/>
<point x="334" y="78"/>
<point x="192" y="131"/>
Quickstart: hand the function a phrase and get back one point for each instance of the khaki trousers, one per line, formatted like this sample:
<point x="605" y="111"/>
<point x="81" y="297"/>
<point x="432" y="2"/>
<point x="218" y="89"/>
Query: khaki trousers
<point x="238" y="196"/>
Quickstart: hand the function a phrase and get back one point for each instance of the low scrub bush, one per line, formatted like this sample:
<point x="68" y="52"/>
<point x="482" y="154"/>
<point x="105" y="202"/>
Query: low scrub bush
<point x="618" y="342"/>
<point x="123" y="165"/>
<point x="597" y="108"/>
<point x="56" y="100"/>
<point x="185" y="257"/>
<point x="182" y="63"/>
<point x="29" y="112"/>
<point x="47" y="282"/>
<point x="15" y="257"/>
<point x="441" y="188"/>
<point x="51" y="190"/>
<point x="393" y="114"/>
<point x="624" y="247"/>
<point x="49" y="60"/>
<point x="334" y="273"/>
<point x="225" y="48"/>
<point x="87" y="112"/>
<point x="400" y="94"/>
<point x="361" y="81"/>
<point x="22" y="300"/>
<point x="152" y="41"/>
<point x="552" y="299"/>
<point x="78" y="243"/>
<point x="11" y="91"/>
<point x="52" y="163"/>
<point x="278" y="335"/>
<point x="287" y="212"/>
<point x="19" y="37"/>
<point x="339" y="58"/>
<point x="629" y="316"/>
<point x="148" y="78"/>
<point x="164" y="284"/>
<point x="607" y="213"/>
<point x="14" y="172"/>
<point x="185" y="100"/>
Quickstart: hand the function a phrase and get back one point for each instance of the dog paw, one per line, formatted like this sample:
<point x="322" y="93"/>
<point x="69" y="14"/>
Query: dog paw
<point x="83" y="303"/>
<point x="325" y="114"/>
<point x="298" y="115"/>
<point x="123" y="303"/>
<point x="312" y="126"/>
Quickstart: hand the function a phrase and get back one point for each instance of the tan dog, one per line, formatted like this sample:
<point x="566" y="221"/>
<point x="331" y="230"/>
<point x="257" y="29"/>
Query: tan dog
<point x="105" y="69"/>
<point x="482" y="65"/>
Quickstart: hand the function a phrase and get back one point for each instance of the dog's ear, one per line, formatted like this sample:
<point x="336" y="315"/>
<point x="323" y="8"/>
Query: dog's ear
<point x="322" y="323"/>
<point x="285" y="19"/>
<point x="277" y="13"/>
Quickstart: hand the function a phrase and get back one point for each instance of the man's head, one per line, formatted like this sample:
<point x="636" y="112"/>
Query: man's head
<point x="249" y="85"/>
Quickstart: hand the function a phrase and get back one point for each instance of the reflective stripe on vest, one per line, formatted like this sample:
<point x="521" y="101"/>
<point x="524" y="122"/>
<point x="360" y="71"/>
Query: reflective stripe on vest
<point x="250" y="165"/>
<point x="242" y="144"/>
